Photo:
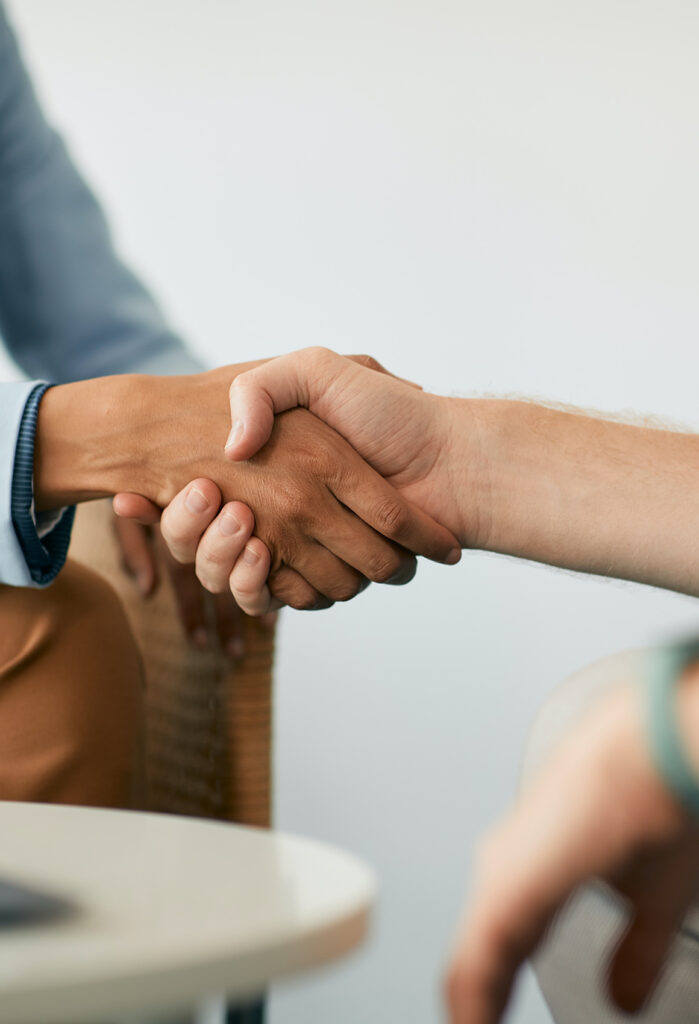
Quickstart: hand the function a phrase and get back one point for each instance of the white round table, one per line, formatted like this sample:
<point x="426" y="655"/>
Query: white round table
<point x="170" y="910"/>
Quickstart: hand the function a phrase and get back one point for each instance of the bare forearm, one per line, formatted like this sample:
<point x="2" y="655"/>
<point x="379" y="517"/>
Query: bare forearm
<point x="583" y="493"/>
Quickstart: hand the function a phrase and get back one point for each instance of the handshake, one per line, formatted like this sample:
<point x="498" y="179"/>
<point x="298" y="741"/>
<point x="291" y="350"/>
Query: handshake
<point x="304" y="508"/>
<point x="336" y="474"/>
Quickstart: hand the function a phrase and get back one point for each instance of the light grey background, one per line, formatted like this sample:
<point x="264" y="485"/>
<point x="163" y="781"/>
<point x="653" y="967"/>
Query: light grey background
<point x="491" y="196"/>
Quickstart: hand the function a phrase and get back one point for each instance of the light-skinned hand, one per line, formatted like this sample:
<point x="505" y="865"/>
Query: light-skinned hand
<point x="596" y="810"/>
<point x="194" y="571"/>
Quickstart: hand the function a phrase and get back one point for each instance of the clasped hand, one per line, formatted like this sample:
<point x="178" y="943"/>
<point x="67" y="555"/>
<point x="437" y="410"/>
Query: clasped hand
<point x="326" y="523"/>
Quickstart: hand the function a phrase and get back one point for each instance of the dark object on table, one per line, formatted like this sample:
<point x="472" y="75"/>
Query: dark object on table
<point x="20" y="904"/>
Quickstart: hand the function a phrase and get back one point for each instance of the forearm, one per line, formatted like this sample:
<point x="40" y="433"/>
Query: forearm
<point x="579" y="492"/>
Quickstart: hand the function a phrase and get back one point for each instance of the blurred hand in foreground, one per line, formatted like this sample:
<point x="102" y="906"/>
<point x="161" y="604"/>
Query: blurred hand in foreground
<point x="596" y="810"/>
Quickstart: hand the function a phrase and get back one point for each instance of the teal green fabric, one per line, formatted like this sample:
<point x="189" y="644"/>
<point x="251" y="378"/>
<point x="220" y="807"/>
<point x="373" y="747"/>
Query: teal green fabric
<point x="664" y="668"/>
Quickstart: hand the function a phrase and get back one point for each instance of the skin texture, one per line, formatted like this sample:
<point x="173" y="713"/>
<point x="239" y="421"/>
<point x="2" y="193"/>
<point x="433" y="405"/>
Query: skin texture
<point x="329" y="521"/>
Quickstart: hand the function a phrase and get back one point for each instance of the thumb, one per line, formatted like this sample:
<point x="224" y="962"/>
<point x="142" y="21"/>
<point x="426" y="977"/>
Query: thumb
<point x="298" y="379"/>
<point x="253" y="406"/>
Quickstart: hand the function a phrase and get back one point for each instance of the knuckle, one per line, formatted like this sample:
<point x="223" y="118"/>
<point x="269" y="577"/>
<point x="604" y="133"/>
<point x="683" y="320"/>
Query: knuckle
<point x="369" y="362"/>
<point x="174" y="531"/>
<point x="391" y="517"/>
<point x="345" y="591"/>
<point x="214" y="584"/>
<point x="214" y="558"/>
<point x="246" y="589"/>
<point x="383" y="566"/>
<point x="319" y="463"/>
<point x="316" y="353"/>
<point x="292" y="503"/>
<point x="406" y="571"/>
<point x="235" y="384"/>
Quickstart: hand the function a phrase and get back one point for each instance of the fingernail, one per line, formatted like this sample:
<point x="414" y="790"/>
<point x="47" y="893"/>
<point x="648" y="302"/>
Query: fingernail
<point x="235" y="649"/>
<point x="237" y="431"/>
<point x="250" y="556"/>
<point x="453" y="557"/>
<point x="228" y="524"/>
<point x="199" y="638"/>
<point x="143" y="580"/>
<point x="196" y="501"/>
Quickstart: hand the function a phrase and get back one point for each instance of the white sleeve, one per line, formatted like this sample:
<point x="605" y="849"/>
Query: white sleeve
<point x="13" y="398"/>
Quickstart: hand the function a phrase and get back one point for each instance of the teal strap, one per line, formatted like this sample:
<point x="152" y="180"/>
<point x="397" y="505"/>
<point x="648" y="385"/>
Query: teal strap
<point x="665" y="667"/>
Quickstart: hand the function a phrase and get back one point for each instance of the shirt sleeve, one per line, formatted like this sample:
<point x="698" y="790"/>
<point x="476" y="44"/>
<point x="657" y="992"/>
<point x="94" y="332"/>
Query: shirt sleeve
<point x="25" y="559"/>
<point x="69" y="308"/>
<point x="44" y="548"/>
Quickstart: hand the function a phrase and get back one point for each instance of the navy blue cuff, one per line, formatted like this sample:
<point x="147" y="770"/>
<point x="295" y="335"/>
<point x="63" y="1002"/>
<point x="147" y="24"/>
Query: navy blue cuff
<point x="45" y="556"/>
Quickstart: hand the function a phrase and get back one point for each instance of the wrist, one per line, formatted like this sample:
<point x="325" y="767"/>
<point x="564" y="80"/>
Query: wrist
<point x="139" y="433"/>
<point x="470" y="467"/>
<point x="94" y="438"/>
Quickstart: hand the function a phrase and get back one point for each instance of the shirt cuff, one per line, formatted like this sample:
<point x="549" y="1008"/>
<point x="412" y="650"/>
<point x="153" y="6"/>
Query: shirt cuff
<point x="44" y="547"/>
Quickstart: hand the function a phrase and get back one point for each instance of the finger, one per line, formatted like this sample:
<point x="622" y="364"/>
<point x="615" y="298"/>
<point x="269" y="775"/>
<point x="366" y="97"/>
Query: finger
<point x="137" y="554"/>
<point x="229" y="619"/>
<point x="269" y="621"/>
<point x="493" y="944"/>
<point x="333" y="578"/>
<point x="221" y="545"/>
<point x="515" y="900"/>
<point x="187" y="517"/>
<point x="660" y="892"/>
<point x="135" y="506"/>
<point x="190" y="599"/>
<point x="638" y="960"/>
<point x="248" y="579"/>
<point x="383" y="507"/>
<point x="355" y="544"/>
<point x="289" y="587"/>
